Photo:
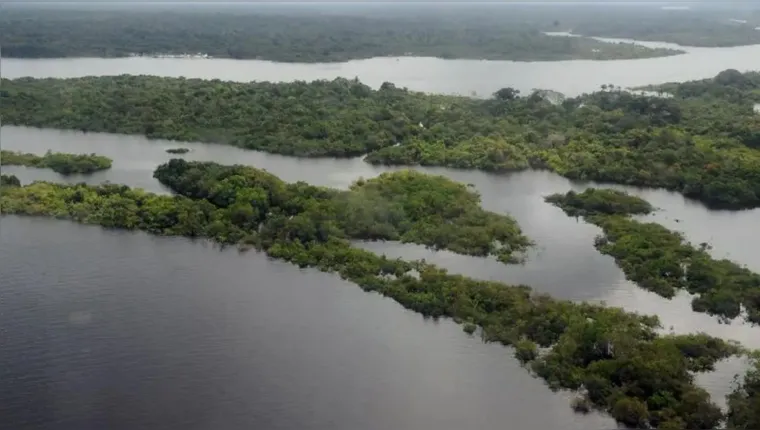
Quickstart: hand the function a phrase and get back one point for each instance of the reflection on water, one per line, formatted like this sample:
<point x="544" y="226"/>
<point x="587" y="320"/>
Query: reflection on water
<point x="117" y="330"/>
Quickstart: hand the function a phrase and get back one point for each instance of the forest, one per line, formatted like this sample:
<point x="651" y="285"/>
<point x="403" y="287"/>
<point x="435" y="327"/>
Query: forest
<point x="615" y="361"/>
<point x="706" y="28"/>
<point x="661" y="260"/>
<point x="289" y="37"/>
<point x="702" y="143"/>
<point x="65" y="164"/>
<point x="9" y="180"/>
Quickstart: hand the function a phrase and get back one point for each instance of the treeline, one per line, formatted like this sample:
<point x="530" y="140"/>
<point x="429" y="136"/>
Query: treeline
<point x="700" y="143"/>
<point x="288" y="37"/>
<point x="616" y="361"/>
<point x="662" y="261"/>
<point x="59" y="162"/>
<point x="9" y="181"/>
<point x="706" y="28"/>
<point x="727" y="85"/>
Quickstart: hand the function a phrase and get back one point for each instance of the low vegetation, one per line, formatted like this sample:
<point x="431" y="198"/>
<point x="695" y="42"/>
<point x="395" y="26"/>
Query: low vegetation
<point x="65" y="164"/>
<point x="615" y="360"/>
<point x="661" y="260"/>
<point x="178" y="150"/>
<point x="594" y="201"/>
<point x="703" y="144"/>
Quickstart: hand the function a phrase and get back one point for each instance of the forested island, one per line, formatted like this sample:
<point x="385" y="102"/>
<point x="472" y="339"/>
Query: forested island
<point x="616" y="361"/>
<point x="660" y="260"/>
<point x="290" y="36"/>
<point x="702" y="144"/>
<point x="65" y="164"/>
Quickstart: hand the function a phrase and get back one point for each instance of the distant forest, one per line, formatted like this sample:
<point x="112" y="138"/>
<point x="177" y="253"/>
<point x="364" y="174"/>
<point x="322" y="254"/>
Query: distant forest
<point x="300" y="36"/>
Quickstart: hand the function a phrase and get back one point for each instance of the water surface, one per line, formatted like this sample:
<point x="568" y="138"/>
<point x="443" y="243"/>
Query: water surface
<point x="123" y="330"/>
<point x="117" y="330"/>
<point x="465" y="77"/>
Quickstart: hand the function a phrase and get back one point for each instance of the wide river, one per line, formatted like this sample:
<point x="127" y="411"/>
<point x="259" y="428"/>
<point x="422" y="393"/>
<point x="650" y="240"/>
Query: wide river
<point x="118" y="330"/>
<point x="465" y="77"/>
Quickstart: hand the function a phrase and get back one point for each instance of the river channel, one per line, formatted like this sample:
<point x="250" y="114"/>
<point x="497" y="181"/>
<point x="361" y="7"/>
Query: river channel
<point x="117" y="330"/>
<point x="464" y="77"/>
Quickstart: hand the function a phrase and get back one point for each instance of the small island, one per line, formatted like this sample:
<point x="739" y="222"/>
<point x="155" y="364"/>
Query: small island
<point x="65" y="164"/>
<point x="618" y="362"/>
<point x="178" y="150"/>
<point x="661" y="260"/>
<point x="594" y="201"/>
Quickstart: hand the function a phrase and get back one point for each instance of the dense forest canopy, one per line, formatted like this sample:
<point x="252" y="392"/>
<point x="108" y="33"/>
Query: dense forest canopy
<point x="406" y="206"/>
<point x="661" y="260"/>
<point x="701" y="143"/>
<point x="290" y="37"/>
<point x="9" y="181"/>
<point x="65" y="164"/>
<point x="616" y="361"/>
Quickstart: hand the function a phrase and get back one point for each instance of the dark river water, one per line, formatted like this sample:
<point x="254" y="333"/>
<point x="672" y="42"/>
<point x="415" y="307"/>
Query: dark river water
<point x="116" y="330"/>
<point x="108" y="329"/>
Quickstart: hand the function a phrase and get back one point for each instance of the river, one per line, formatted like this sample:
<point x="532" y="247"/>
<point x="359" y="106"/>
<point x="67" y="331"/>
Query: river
<point x="145" y="305"/>
<point x="465" y="77"/>
<point x="105" y="329"/>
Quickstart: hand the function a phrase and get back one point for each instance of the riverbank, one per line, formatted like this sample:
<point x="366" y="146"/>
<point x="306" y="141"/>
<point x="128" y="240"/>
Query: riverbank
<point x="660" y="260"/>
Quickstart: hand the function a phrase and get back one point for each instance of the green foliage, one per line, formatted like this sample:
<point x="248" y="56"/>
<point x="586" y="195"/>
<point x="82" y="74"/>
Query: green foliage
<point x="65" y="164"/>
<point x="702" y="146"/>
<point x="310" y="38"/>
<point x="594" y="201"/>
<point x="660" y="260"/>
<point x="744" y="400"/>
<point x="178" y="150"/>
<point x="9" y="181"/>
<point x="616" y="358"/>
<point x="407" y="206"/>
